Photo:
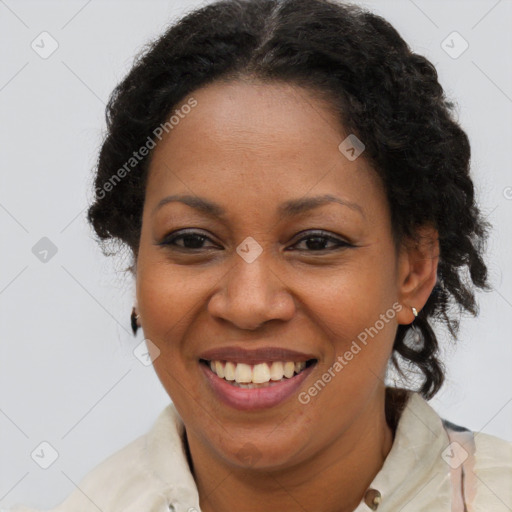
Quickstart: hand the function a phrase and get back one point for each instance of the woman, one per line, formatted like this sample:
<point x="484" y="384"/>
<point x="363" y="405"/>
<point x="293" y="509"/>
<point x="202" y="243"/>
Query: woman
<point x="297" y="199"/>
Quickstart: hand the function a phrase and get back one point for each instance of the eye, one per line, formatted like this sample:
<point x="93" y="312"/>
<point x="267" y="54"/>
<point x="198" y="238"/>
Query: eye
<point x="191" y="240"/>
<point x="194" y="240"/>
<point x="317" y="240"/>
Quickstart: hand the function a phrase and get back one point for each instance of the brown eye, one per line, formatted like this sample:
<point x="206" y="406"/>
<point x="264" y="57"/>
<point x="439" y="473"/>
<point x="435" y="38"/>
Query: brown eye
<point x="190" y="240"/>
<point x="317" y="241"/>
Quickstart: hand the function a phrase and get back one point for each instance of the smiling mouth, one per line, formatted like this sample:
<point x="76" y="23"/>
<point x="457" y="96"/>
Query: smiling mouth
<point x="261" y="375"/>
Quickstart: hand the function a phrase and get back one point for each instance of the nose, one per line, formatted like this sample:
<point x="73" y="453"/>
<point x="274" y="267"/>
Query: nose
<point x="251" y="294"/>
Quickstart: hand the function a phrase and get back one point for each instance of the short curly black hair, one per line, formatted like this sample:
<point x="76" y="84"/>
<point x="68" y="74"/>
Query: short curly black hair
<point x="385" y="94"/>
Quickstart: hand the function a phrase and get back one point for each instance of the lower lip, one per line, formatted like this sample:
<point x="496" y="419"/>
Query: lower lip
<point x="255" y="398"/>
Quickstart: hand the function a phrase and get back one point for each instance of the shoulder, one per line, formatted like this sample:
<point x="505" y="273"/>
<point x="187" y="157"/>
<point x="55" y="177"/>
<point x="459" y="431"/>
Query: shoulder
<point x="486" y="462"/>
<point x="115" y="478"/>
<point x="493" y="467"/>
<point x="493" y="451"/>
<point x="466" y="463"/>
<point x="128" y="480"/>
<point x="490" y="451"/>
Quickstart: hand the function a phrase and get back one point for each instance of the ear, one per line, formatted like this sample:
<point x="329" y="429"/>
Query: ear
<point x="417" y="271"/>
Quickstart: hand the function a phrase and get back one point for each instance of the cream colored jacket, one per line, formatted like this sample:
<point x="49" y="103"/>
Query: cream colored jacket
<point x="430" y="468"/>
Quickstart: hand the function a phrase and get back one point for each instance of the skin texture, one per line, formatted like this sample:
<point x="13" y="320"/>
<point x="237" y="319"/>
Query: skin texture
<point x="250" y="146"/>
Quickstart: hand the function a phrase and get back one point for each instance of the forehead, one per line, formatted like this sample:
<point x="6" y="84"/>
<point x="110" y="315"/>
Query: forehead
<point x="266" y="141"/>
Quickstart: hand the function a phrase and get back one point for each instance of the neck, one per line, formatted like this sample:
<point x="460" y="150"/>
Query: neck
<point x="333" y="480"/>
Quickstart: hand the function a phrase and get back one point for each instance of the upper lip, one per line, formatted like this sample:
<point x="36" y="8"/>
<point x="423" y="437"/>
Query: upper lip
<point x="255" y="355"/>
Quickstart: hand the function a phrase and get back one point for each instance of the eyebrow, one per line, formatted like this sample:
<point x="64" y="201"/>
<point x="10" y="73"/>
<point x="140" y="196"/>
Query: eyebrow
<point x="286" y="209"/>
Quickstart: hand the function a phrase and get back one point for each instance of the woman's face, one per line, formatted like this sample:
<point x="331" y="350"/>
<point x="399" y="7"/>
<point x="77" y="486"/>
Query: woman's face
<point x="268" y="265"/>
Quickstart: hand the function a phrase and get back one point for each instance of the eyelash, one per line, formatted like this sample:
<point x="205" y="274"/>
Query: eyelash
<point x="169" y="240"/>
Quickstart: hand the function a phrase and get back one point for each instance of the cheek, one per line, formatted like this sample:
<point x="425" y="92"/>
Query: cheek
<point x="354" y="295"/>
<point x="357" y="307"/>
<point x="165" y="293"/>
<point x="167" y="303"/>
<point x="360" y="329"/>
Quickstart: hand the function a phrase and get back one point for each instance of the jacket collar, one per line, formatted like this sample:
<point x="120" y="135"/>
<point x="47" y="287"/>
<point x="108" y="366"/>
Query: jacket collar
<point x="414" y="476"/>
<point x="167" y="461"/>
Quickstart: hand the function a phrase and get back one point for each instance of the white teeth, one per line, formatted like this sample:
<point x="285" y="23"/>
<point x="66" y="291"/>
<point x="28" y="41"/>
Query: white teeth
<point x="229" y="371"/>
<point x="219" y="369"/>
<point x="260" y="374"/>
<point x="289" y="369"/>
<point x="276" y="370"/>
<point x="243" y="373"/>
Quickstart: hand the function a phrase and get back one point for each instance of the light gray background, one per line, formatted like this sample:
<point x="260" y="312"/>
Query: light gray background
<point x="67" y="372"/>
